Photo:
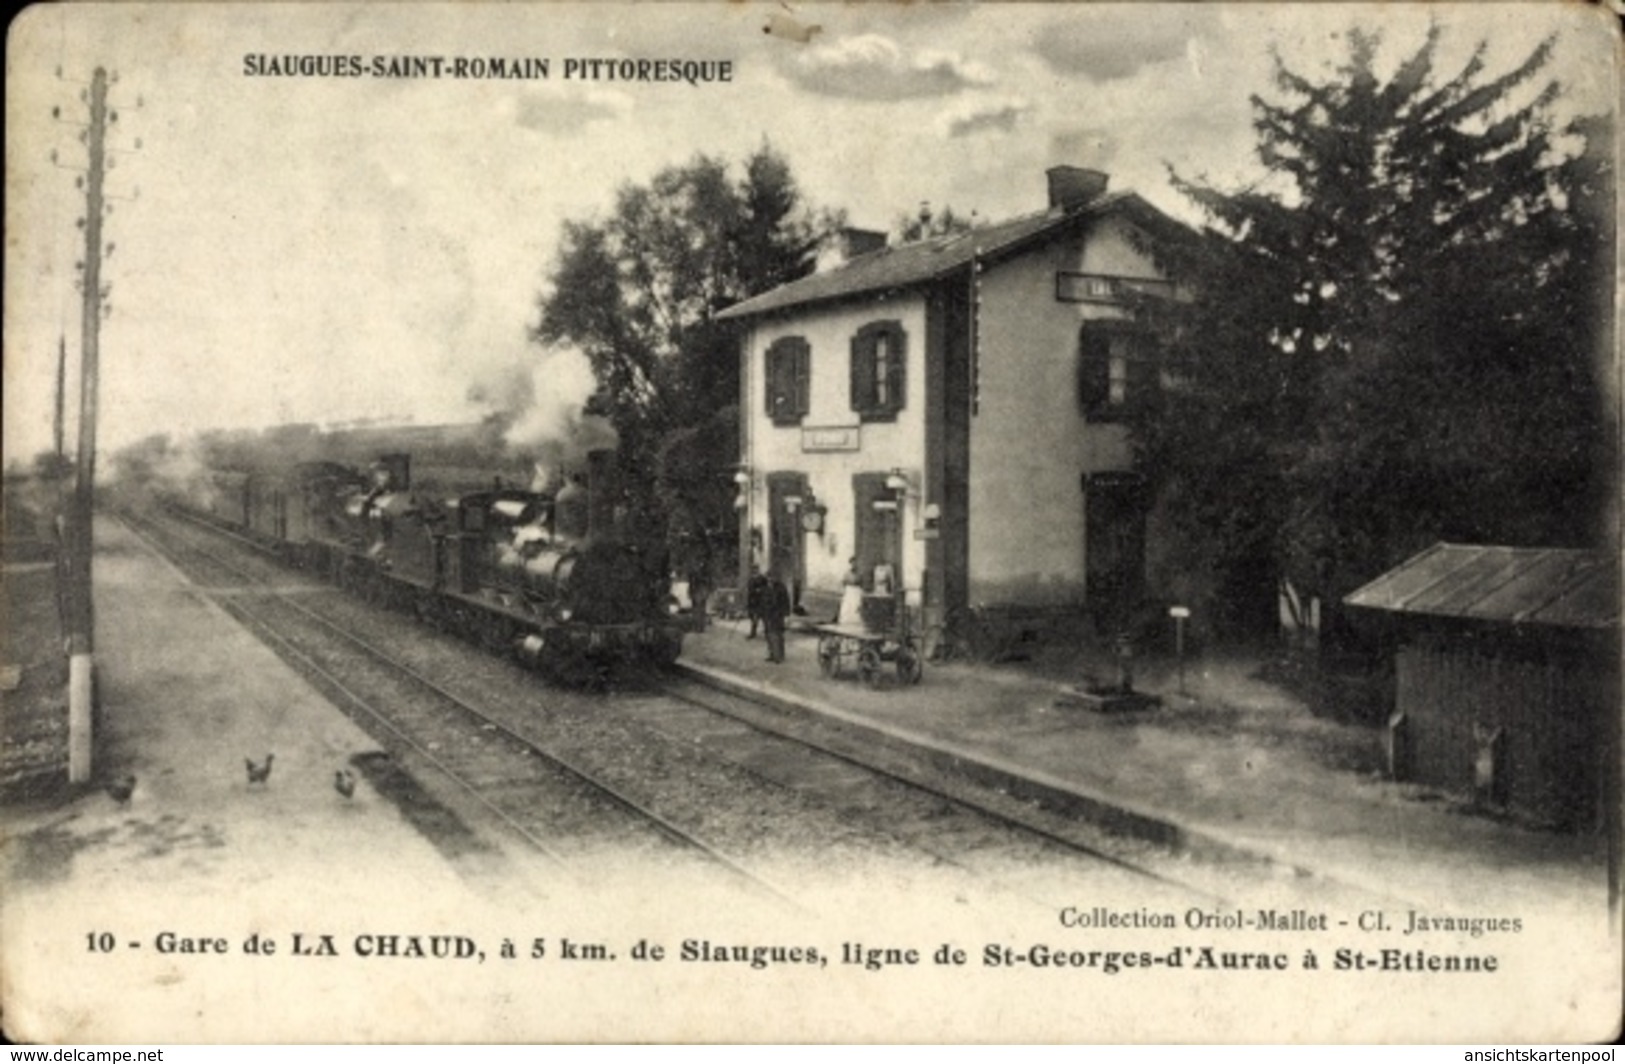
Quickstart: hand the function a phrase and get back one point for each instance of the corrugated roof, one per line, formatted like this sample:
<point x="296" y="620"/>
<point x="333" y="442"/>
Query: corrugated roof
<point x="1516" y="585"/>
<point x="925" y="260"/>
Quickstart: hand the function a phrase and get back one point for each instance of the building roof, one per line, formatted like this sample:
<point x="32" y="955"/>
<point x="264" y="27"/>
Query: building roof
<point x="927" y="260"/>
<point x="1514" y="585"/>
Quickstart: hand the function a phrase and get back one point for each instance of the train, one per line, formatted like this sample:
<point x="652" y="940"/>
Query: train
<point x="547" y="576"/>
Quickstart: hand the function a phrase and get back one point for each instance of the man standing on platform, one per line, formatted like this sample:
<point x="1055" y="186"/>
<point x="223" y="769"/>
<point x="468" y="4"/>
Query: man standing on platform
<point x="775" y="608"/>
<point x="755" y="599"/>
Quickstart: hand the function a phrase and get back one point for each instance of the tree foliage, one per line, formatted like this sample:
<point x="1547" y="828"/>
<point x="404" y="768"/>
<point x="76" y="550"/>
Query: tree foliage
<point x="1395" y="338"/>
<point x="927" y="223"/>
<point x="638" y="293"/>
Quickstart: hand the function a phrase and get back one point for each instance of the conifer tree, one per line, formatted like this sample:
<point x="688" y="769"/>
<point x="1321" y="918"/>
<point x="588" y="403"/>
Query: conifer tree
<point x="1395" y="338"/>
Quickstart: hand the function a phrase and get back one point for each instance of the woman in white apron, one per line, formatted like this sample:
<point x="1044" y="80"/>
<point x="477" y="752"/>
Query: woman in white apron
<point x="851" y="611"/>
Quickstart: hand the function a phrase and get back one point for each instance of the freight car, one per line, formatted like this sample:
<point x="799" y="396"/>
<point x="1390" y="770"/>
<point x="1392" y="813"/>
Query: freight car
<point x="540" y="575"/>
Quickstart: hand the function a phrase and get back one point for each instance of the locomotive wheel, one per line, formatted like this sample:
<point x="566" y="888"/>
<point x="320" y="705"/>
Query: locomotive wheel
<point x="664" y="650"/>
<point x="869" y="665"/>
<point x="498" y="635"/>
<point x="829" y="654"/>
<point x="909" y="668"/>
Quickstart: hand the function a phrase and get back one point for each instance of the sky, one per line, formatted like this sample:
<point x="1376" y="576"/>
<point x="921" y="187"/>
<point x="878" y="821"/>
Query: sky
<point x="335" y="249"/>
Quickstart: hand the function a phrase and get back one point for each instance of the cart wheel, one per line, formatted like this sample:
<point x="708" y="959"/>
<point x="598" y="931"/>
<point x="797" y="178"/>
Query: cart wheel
<point x="829" y="655"/>
<point x="869" y="665"/>
<point x="908" y="666"/>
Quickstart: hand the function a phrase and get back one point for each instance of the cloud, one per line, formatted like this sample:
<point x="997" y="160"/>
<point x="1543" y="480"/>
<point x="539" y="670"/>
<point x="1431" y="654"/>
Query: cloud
<point x="998" y="115"/>
<point x="873" y="67"/>
<point x="1111" y="51"/>
<point x="550" y="110"/>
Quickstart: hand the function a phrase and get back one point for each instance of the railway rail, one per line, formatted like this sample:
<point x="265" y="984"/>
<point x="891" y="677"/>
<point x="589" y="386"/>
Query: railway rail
<point x="515" y="780"/>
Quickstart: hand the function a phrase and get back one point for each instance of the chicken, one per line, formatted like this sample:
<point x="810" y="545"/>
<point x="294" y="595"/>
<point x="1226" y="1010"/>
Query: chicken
<point x="260" y="773"/>
<point x="120" y="789"/>
<point x="344" y="782"/>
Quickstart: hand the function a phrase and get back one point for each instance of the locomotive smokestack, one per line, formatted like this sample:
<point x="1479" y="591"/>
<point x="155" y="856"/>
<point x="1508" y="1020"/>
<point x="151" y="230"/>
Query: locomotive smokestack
<point x="394" y="471"/>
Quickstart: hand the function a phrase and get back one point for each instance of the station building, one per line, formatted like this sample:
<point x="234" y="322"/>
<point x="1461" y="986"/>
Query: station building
<point x="948" y="413"/>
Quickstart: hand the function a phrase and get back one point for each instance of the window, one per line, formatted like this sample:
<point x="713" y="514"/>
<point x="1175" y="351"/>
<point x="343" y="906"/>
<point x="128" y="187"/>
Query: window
<point x="1116" y="368"/>
<point x="879" y="370"/>
<point x="789" y="362"/>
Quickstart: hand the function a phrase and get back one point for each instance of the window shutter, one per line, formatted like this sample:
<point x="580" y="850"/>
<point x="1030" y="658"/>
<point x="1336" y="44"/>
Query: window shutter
<point x="898" y="368"/>
<point x="862" y="372"/>
<point x="1142" y="373"/>
<point x="1094" y="367"/>
<point x="788" y="362"/>
<point x="775" y="359"/>
<point x="803" y="374"/>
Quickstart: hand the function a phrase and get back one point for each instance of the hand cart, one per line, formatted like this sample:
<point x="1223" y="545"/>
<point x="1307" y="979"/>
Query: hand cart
<point x="871" y="649"/>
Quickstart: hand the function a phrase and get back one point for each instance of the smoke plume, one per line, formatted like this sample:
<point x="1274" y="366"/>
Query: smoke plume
<point x="539" y="407"/>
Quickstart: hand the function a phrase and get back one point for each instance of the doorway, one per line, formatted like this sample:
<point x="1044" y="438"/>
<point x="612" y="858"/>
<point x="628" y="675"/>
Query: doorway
<point x="786" y="542"/>
<point x="878" y="532"/>
<point x="1114" y="549"/>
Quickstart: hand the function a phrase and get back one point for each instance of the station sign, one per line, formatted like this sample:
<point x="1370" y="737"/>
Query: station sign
<point x="830" y="438"/>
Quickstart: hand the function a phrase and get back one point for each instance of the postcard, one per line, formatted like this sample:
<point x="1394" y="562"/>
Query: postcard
<point x="811" y="523"/>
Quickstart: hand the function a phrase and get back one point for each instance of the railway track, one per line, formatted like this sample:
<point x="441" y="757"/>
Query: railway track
<point x="519" y="783"/>
<point x="882" y="803"/>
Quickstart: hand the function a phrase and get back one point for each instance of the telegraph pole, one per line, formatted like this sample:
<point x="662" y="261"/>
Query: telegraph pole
<point x="81" y="613"/>
<point x="57" y="429"/>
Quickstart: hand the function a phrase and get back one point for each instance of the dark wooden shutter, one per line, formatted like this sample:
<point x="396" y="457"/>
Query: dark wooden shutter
<point x="771" y="378"/>
<point x="863" y="371"/>
<point x="1142" y="370"/>
<point x="865" y="382"/>
<point x="1094" y="367"/>
<point x="803" y="378"/>
<point x="897" y="367"/>
<point x="788" y="369"/>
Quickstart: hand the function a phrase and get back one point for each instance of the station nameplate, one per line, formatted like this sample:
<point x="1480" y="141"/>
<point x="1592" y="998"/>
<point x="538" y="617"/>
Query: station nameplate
<point x="834" y="438"/>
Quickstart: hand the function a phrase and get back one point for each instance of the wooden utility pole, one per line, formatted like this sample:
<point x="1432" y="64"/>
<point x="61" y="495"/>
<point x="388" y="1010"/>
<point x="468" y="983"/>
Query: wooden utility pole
<point x="57" y="429"/>
<point x="81" y="614"/>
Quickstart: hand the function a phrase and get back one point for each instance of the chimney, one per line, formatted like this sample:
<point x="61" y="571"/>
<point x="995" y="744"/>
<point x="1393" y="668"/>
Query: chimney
<point x="1071" y="187"/>
<point x="847" y="243"/>
<point x="855" y="242"/>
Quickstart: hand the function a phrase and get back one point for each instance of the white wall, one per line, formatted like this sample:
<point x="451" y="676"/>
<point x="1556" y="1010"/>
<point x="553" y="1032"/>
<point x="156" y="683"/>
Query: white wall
<point x="1030" y="442"/>
<point x="883" y="445"/>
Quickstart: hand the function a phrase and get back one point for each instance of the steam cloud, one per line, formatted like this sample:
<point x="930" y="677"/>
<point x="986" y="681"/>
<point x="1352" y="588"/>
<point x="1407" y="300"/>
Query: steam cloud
<point x="539" y="409"/>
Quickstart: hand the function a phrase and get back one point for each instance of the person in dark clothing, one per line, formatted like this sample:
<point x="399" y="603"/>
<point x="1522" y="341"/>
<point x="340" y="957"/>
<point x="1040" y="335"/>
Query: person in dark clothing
<point x="699" y="595"/>
<point x="755" y="599"/>
<point x="775" y="608"/>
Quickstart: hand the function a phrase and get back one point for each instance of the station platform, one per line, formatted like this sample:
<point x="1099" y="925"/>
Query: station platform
<point x="1229" y="767"/>
<point x="198" y="854"/>
<point x="186" y="696"/>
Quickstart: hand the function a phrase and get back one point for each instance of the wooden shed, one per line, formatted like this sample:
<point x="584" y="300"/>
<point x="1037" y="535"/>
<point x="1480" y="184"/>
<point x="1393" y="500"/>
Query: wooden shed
<point x="1507" y="676"/>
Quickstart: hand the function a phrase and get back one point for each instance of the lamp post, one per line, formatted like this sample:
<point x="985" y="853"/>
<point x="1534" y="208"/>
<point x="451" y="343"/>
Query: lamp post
<point x="741" y="479"/>
<point x="897" y="483"/>
<point x="1180" y="614"/>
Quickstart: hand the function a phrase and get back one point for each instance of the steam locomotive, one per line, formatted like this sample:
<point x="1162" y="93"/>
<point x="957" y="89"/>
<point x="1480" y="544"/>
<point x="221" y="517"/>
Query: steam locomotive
<point x="543" y="575"/>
